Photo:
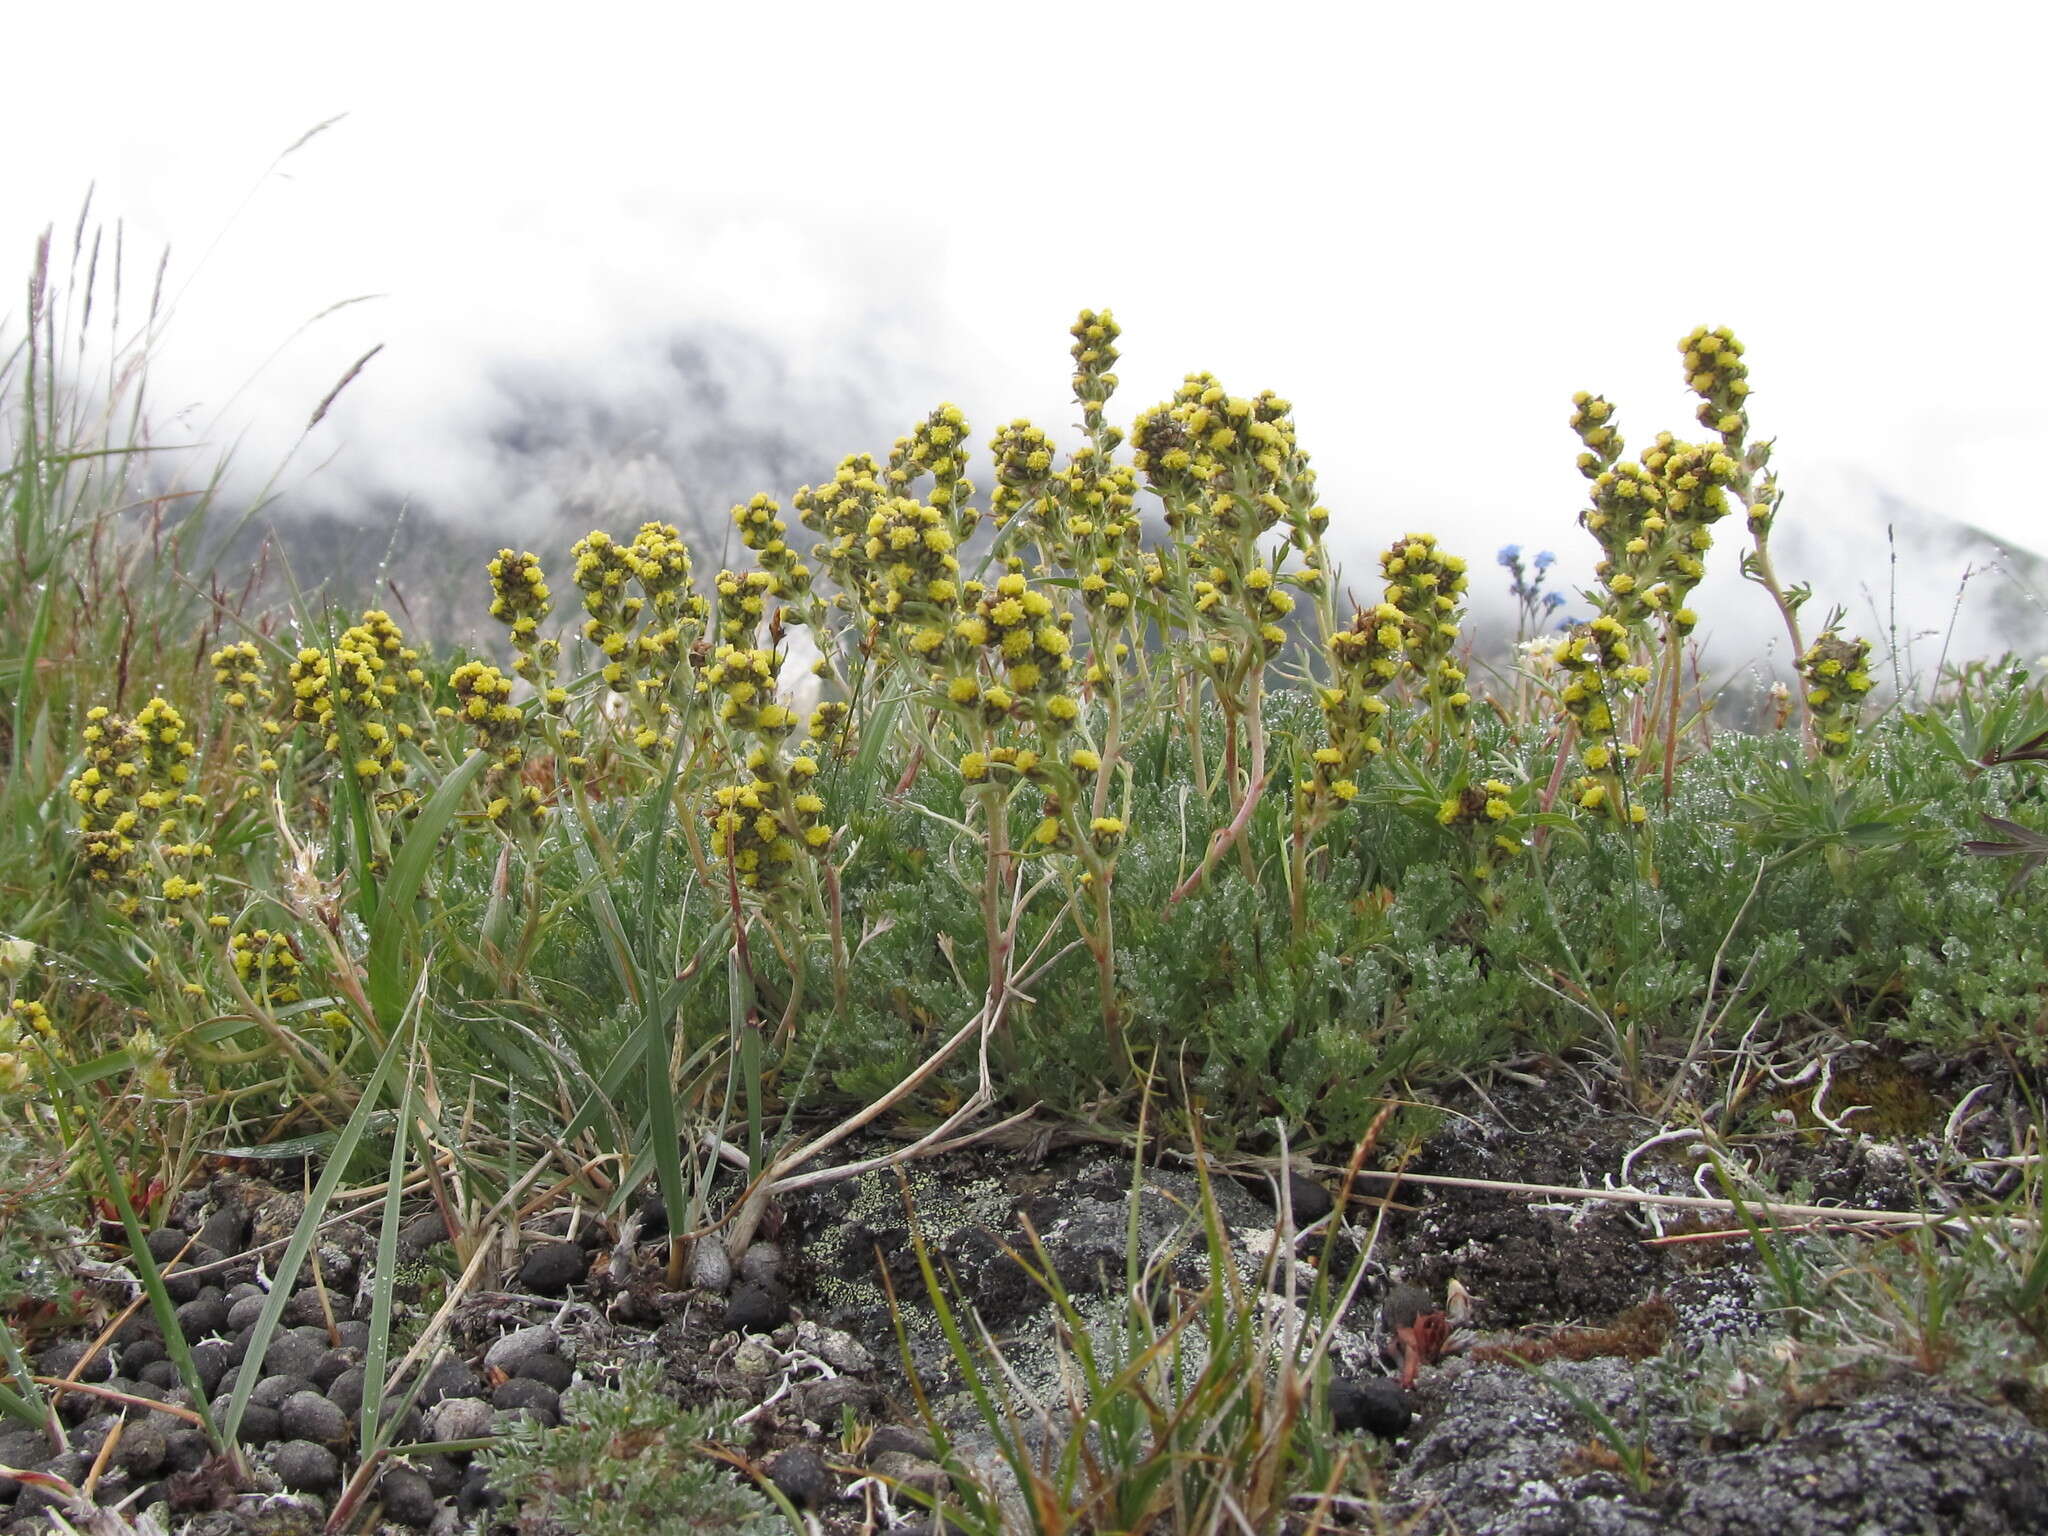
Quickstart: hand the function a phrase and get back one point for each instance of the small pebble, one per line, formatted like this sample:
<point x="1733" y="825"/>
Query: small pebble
<point x="305" y="1309"/>
<point x="889" y="1438"/>
<point x="761" y="1264"/>
<point x="309" y="1416"/>
<point x="227" y="1229"/>
<point x="451" y="1378"/>
<point x="407" y="1497"/>
<point x="332" y="1364"/>
<point x="243" y="1313"/>
<point x="1372" y="1403"/>
<point x="259" y="1424"/>
<point x="801" y="1474"/>
<point x="710" y="1268"/>
<point x="293" y="1353"/>
<point x="551" y="1268"/>
<point x="522" y="1394"/>
<point x="346" y="1391"/>
<point x="514" y="1349"/>
<point x="210" y="1360"/>
<point x="755" y="1309"/>
<point x="459" y="1418"/>
<point x="271" y="1391"/>
<point x="551" y="1369"/>
<point x="305" y="1467"/>
<point x="144" y="1447"/>
<point x="62" y="1359"/>
<point x="181" y="1284"/>
<point x="476" y="1493"/>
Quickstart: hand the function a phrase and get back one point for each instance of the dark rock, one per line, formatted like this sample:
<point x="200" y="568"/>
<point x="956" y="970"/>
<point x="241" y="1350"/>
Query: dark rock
<point x="181" y="1284"/>
<point x="551" y="1370"/>
<point x="459" y="1418"/>
<point x="1372" y="1403"/>
<point x="551" y="1268"/>
<point x="166" y="1243"/>
<point x="306" y="1310"/>
<point x="346" y="1391"/>
<point x="305" y="1467"/>
<point x="162" y="1374"/>
<point x="293" y="1352"/>
<point x="62" y="1359"/>
<point x="411" y="1423"/>
<point x="136" y="1327"/>
<point x="476" y="1493"/>
<point x="353" y="1335"/>
<point x="71" y="1466"/>
<point x="259" y="1424"/>
<point x="144" y="1447"/>
<point x="210" y="1361"/>
<point x="514" y="1349"/>
<point x="522" y="1394"/>
<point x="227" y="1229"/>
<point x="407" y="1497"/>
<point x="242" y="1314"/>
<point x="451" y="1378"/>
<point x="271" y="1391"/>
<point x="821" y="1401"/>
<point x="801" y="1474"/>
<point x="443" y="1473"/>
<point x="309" y="1416"/>
<point x="900" y="1440"/>
<point x="204" y="1315"/>
<point x="332" y="1364"/>
<point x="141" y="1354"/>
<point x="185" y="1450"/>
<point x="755" y="1309"/>
<point x="420" y="1236"/>
<point x="761" y="1264"/>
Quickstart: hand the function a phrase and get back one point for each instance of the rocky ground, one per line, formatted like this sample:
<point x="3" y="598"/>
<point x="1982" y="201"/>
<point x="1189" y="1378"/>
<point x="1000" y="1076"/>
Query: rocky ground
<point x="800" y="1333"/>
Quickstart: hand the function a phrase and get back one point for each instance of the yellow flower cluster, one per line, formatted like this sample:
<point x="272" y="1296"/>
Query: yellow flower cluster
<point x="238" y="667"/>
<point x="484" y="703"/>
<point x="1837" y="677"/>
<point x="742" y="604"/>
<point x="745" y="678"/>
<point x="937" y="446"/>
<point x="912" y="569"/>
<point x="1095" y="334"/>
<point x="763" y="530"/>
<point x="135" y="785"/>
<point x="1022" y="635"/>
<point x="1364" y="658"/>
<point x="1715" y="371"/>
<point x="1424" y="586"/>
<point x="1651" y="519"/>
<point x="1024" y="477"/>
<point x="520" y="600"/>
<point x="268" y="963"/>
<point x="763" y="826"/>
<point x="603" y="569"/>
<point x="840" y="511"/>
<point x="26" y="1033"/>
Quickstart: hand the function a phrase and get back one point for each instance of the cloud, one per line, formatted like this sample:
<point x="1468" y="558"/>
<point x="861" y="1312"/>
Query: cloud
<point x="1426" y="232"/>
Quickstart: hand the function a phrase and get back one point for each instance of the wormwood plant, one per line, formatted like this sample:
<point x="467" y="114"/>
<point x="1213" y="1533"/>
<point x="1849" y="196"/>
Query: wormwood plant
<point x="627" y="1462"/>
<point x="991" y="768"/>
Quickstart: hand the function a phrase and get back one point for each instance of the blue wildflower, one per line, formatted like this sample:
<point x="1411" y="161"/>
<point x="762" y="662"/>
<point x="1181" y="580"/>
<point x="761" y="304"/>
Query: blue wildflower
<point x="1552" y="601"/>
<point x="1510" y="555"/>
<point x="1545" y="560"/>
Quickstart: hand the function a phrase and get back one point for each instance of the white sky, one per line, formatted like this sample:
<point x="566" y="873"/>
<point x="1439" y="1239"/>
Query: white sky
<point x="1426" y="224"/>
